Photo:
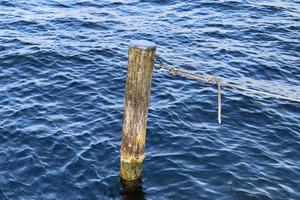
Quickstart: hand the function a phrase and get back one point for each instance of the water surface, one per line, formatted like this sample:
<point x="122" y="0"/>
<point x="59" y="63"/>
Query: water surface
<point x="62" y="75"/>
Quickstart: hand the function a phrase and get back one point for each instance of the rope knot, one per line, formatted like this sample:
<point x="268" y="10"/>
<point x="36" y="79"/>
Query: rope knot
<point x="173" y="71"/>
<point x="159" y="64"/>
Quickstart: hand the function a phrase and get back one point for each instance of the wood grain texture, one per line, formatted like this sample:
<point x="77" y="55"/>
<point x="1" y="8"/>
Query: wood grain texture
<point x="137" y="95"/>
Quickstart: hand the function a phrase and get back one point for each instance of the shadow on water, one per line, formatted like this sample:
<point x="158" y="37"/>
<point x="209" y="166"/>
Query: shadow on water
<point x="132" y="190"/>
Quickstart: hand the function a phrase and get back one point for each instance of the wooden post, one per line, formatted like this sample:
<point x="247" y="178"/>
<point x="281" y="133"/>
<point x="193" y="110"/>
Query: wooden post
<point x="138" y="85"/>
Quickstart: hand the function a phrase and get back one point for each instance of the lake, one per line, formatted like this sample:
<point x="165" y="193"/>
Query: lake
<point x="63" y="67"/>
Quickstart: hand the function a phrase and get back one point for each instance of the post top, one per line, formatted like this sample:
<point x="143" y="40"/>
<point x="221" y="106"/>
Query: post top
<point x="143" y="44"/>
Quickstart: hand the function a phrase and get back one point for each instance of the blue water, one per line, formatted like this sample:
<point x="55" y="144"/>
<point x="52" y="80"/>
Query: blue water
<point x="62" y="82"/>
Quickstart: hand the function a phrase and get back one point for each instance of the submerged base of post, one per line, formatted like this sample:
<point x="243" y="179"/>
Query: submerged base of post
<point x="132" y="189"/>
<point x="131" y="168"/>
<point x="130" y="177"/>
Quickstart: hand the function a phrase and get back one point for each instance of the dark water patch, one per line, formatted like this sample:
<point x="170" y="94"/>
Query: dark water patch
<point x="22" y="23"/>
<point x="263" y="9"/>
<point x="63" y="74"/>
<point x="7" y="4"/>
<point x="226" y="5"/>
<point x="100" y="5"/>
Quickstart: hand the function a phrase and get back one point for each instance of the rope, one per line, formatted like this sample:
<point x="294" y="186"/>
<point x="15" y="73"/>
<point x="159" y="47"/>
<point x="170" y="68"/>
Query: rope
<point x="214" y="80"/>
<point x="219" y="103"/>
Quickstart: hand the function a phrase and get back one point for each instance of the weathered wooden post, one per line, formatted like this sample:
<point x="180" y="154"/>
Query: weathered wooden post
<point x="141" y="57"/>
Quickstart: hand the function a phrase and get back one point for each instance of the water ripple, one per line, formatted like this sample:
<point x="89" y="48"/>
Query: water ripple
<point x="63" y="71"/>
